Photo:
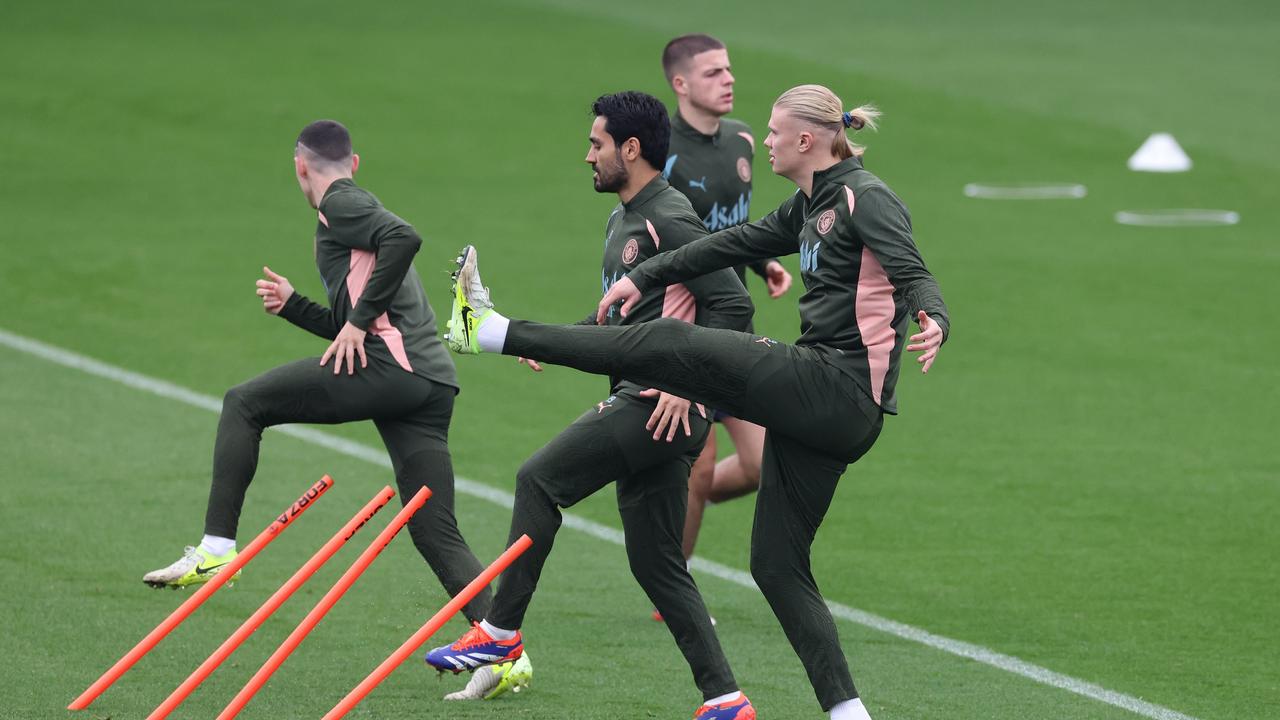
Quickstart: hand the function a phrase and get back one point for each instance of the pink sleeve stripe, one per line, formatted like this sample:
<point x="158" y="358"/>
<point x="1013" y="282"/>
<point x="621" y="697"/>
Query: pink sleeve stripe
<point x="653" y="234"/>
<point x="747" y="136"/>
<point x="849" y="195"/>
<point x="875" y="310"/>
<point x="362" y="262"/>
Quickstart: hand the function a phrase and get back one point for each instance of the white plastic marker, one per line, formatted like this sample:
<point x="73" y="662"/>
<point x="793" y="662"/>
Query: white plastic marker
<point x="1160" y="153"/>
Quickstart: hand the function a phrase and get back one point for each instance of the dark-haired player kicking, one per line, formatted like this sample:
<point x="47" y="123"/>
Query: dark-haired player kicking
<point x="384" y="363"/>
<point x="645" y="446"/>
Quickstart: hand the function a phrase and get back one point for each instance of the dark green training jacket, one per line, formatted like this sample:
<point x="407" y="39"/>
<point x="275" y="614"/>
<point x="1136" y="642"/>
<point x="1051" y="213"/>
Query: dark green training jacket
<point x="714" y="172"/>
<point x="365" y="257"/>
<point x="863" y="276"/>
<point x="655" y="222"/>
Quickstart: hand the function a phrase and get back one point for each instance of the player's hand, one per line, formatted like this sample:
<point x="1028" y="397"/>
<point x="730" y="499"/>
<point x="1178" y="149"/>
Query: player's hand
<point x="625" y="291"/>
<point x="275" y="291"/>
<point x="533" y="364"/>
<point x="777" y="279"/>
<point x="669" y="415"/>
<point x="348" y="344"/>
<point x="929" y="339"/>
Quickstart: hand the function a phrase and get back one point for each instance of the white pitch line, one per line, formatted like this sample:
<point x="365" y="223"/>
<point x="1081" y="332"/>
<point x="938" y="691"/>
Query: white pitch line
<point x="981" y="654"/>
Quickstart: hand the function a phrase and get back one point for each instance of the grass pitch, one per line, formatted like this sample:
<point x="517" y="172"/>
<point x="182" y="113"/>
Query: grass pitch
<point x="1086" y="481"/>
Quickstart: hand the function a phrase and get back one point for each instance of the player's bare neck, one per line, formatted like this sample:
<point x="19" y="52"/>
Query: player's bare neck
<point x="640" y="176"/>
<point x="707" y="123"/>
<point x="320" y="185"/>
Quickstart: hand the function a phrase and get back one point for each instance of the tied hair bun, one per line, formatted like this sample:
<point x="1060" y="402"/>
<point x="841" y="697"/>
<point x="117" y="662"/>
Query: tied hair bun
<point x="851" y="121"/>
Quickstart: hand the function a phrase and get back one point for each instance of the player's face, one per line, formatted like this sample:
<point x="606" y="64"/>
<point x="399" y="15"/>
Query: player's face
<point x="609" y="173"/>
<point x="783" y="142"/>
<point x="710" y="82"/>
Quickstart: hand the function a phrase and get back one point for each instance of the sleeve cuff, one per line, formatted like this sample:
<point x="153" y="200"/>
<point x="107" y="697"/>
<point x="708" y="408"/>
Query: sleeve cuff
<point x="289" y="310"/>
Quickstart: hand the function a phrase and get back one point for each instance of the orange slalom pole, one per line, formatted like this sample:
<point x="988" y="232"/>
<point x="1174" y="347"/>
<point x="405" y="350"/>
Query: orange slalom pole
<point x="416" y="640"/>
<point x="228" y="571"/>
<point x="272" y="604"/>
<point x="326" y="604"/>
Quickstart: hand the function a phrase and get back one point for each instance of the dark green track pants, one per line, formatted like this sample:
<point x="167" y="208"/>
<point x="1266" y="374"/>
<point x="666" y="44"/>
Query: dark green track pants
<point x="411" y="413"/>
<point x="817" y="422"/>
<point x="609" y="444"/>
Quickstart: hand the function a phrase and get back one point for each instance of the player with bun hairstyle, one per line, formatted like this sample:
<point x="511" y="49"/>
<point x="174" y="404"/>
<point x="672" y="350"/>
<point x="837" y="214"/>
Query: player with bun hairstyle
<point x="821" y="400"/>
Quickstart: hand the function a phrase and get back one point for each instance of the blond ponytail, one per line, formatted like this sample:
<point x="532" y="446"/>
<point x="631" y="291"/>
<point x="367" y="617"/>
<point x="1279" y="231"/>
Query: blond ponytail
<point x="820" y="107"/>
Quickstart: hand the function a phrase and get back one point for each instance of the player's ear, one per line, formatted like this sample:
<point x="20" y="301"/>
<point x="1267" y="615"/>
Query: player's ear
<point x="299" y="165"/>
<point x="804" y="141"/>
<point x="355" y="163"/>
<point x="679" y="85"/>
<point x="631" y="149"/>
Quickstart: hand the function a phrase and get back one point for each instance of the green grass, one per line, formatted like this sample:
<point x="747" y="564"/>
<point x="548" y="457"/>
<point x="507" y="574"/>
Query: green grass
<point x="1085" y="482"/>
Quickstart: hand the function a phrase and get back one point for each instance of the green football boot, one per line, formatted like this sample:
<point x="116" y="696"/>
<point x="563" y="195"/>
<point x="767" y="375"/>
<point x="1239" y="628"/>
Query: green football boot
<point x="195" y="567"/>
<point x="471" y="305"/>
<point x="490" y="681"/>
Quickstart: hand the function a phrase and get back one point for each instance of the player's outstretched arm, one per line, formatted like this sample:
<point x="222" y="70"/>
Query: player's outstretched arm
<point x="771" y="236"/>
<point x="279" y="298"/>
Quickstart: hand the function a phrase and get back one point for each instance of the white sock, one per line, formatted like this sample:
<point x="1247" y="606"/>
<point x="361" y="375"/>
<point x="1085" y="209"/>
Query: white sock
<point x="217" y="546"/>
<point x="849" y="710"/>
<point x="724" y="698"/>
<point x="492" y="333"/>
<point x="496" y="633"/>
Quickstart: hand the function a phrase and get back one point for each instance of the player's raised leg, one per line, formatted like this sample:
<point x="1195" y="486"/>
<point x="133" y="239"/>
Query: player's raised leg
<point x="790" y="389"/>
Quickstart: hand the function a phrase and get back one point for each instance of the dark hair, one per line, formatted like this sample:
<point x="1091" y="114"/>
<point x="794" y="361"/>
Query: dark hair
<point x="327" y="139"/>
<point x="638" y="115"/>
<point x="678" y="51"/>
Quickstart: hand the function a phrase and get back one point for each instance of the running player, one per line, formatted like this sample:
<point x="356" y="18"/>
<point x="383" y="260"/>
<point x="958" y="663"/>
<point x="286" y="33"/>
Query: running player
<point x="710" y="162"/>
<point x="641" y="439"/>
<point x="384" y="363"/>
<point x="823" y="399"/>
